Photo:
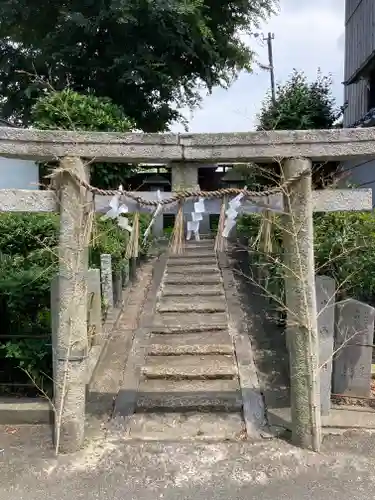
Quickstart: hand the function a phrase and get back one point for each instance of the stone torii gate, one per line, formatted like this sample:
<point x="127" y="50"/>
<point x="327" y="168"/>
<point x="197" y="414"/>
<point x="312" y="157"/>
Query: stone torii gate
<point x="185" y="153"/>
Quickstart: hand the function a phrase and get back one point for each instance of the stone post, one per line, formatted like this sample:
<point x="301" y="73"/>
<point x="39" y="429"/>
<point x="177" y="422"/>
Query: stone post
<point x="117" y="289"/>
<point x="300" y="295"/>
<point x="125" y="274"/>
<point x="95" y="312"/>
<point x="106" y="279"/>
<point x="133" y="269"/>
<point x="325" y="303"/>
<point x="70" y="355"/>
<point x="54" y="295"/>
<point x="158" y="226"/>
<point x="185" y="176"/>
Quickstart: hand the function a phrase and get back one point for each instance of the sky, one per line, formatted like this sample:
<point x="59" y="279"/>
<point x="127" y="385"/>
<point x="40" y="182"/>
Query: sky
<point x="309" y="34"/>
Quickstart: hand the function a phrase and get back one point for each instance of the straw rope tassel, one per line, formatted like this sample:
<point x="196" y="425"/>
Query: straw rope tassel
<point x="94" y="224"/>
<point x="136" y="235"/>
<point x="132" y="250"/>
<point x="177" y="239"/>
<point x="220" y="241"/>
<point x="265" y="241"/>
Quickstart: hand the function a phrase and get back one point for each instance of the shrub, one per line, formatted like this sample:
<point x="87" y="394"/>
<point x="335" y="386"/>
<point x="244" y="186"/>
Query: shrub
<point x="345" y="250"/>
<point x="344" y="245"/>
<point x="110" y="238"/>
<point x="31" y="237"/>
<point x="69" y="110"/>
<point x="28" y="262"/>
<point x="26" y="322"/>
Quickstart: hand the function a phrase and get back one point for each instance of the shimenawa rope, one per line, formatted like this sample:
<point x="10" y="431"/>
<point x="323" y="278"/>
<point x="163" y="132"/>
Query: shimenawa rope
<point x="184" y="194"/>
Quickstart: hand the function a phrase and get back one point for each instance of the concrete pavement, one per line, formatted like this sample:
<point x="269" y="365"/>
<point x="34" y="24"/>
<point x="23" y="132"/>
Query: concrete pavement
<point x="111" y="468"/>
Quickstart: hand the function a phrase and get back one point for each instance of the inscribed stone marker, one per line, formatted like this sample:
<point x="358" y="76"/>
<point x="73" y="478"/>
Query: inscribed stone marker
<point x="106" y="279"/>
<point x="354" y="330"/>
<point x="325" y="306"/>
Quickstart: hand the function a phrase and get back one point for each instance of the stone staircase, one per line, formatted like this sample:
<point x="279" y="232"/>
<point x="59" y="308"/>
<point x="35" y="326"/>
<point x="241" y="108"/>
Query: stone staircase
<point x="189" y="383"/>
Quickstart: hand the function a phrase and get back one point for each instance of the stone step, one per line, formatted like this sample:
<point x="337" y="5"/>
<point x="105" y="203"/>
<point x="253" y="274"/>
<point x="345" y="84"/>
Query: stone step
<point x="206" y="243"/>
<point x="197" y="249"/>
<point x="189" y="318"/>
<point x="185" y="279"/>
<point x="176" y="290"/>
<point x="196" y="269"/>
<point x="187" y="367"/>
<point x="186" y="426"/>
<point x="183" y="300"/>
<point x="194" y="306"/>
<point x="203" y="237"/>
<point x="217" y="342"/>
<point x="199" y="253"/>
<point x="189" y="395"/>
<point x="191" y="261"/>
<point x="178" y="330"/>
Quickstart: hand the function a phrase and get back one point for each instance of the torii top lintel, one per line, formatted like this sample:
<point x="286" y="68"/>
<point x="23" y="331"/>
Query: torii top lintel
<point x="321" y="145"/>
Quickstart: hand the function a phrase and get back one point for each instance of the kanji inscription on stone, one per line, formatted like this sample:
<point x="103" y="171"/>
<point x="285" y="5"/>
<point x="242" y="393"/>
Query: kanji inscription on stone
<point x="354" y="332"/>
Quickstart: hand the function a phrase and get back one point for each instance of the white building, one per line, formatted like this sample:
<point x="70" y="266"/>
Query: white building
<point x="16" y="173"/>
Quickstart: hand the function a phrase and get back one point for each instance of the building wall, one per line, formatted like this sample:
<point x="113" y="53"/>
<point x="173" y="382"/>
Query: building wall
<point x="356" y="97"/>
<point x="360" y="173"/>
<point x="359" y="34"/>
<point x="359" y="49"/>
<point x="350" y="7"/>
<point x="18" y="174"/>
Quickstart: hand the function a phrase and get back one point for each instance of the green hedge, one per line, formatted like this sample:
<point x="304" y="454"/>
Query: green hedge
<point x="344" y="245"/>
<point x="28" y="262"/>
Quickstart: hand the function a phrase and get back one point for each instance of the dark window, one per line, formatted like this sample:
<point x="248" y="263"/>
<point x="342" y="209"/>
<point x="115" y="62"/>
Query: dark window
<point x="168" y="220"/>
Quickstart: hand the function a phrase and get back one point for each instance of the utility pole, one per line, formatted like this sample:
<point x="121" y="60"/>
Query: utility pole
<point x="269" y="38"/>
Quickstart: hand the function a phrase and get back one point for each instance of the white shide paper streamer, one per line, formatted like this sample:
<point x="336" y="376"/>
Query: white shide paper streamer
<point x="196" y="217"/>
<point x="156" y="213"/>
<point x="231" y="214"/>
<point x="116" y="210"/>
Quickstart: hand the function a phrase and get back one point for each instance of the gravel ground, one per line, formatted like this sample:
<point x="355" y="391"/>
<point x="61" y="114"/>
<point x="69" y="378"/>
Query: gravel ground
<point x="111" y="468"/>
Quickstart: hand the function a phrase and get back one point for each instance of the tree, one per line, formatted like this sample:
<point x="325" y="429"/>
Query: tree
<point x="300" y="105"/>
<point x="303" y="105"/>
<point x="147" y="56"/>
<point x="68" y="110"/>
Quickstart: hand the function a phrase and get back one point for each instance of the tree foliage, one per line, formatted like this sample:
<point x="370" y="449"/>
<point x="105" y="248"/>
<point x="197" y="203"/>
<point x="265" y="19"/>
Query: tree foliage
<point x="300" y="105"/>
<point x="147" y="56"/>
<point x="28" y="263"/>
<point x="343" y="250"/>
<point x="68" y="110"/>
